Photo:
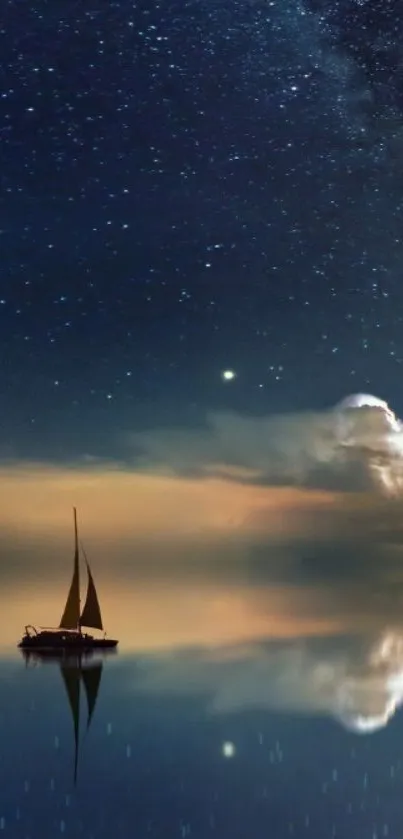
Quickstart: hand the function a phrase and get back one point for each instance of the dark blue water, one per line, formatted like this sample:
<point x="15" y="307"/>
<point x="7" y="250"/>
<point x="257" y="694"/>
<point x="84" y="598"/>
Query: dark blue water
<point x="252" y="742"/>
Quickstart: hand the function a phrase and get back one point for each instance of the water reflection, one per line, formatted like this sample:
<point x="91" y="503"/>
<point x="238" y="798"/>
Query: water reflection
<point x="302" y="644"/>
<point x="77" y="671"/>
<point x="177" y="736"/>
<point x="357" y="681"/>
<point x="241" y="687"/>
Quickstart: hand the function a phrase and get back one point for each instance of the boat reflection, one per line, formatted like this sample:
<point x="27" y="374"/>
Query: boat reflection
<point x="83" y="669"/>
<point x="64" y="655"/>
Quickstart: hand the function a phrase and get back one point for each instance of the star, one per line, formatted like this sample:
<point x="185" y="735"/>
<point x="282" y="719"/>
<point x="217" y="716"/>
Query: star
<point x="228" y="375"/>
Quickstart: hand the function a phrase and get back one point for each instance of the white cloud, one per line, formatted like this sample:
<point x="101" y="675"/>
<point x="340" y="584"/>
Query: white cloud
<point x="358" y="445"/>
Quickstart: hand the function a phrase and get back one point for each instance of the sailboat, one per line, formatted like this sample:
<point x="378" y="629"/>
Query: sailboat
<point x="69" y="635"/>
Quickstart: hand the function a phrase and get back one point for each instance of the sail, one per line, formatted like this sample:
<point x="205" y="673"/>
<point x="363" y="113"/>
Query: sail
<point x="91" y="677"/>
<point x="71" y="677"/>
<point x="71" y="615"/>
<point x="91" y="614"/>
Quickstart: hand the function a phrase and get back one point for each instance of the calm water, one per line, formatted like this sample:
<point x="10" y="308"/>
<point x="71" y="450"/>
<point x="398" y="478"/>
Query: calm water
<point x="256" y="722"/>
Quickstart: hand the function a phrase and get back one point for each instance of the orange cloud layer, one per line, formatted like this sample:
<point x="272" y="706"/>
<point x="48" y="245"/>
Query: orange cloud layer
<point x="132" y="523"/>
<point x="152" y="615"/>
<point x="115" y="504"/>
<point x="130" y="520"/>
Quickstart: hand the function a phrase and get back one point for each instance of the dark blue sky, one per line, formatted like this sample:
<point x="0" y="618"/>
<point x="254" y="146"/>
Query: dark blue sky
<point x="190" y="187"/>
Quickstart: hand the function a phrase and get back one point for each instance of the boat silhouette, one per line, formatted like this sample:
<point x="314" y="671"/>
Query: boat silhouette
<point x="69" y="635"/>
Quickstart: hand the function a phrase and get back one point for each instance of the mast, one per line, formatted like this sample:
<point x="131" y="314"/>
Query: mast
<point x="71" y="615"/>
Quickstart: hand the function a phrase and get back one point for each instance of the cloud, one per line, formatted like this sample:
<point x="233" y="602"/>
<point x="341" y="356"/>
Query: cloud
<point x="304" y="500"/>
<point x="356" y="446"/>
<point x="114" y="502"/>
<point x="222" y="491"/>
<point x="189" y="560"/>
<point x="131" y="519"/>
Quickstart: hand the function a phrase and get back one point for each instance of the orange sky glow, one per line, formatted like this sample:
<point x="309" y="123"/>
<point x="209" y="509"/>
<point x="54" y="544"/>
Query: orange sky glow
<point x="128" y="519"/>
<point x="116" y="503"/>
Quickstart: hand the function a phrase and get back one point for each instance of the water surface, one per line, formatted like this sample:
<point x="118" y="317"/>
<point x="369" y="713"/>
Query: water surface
<point x="232" y="709"/>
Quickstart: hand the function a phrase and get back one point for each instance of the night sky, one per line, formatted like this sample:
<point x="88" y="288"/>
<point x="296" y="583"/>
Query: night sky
<point x="189" y="187"/>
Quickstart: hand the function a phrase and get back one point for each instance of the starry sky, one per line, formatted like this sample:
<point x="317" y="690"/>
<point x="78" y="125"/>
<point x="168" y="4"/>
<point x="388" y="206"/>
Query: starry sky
<point x="190" y="187"/>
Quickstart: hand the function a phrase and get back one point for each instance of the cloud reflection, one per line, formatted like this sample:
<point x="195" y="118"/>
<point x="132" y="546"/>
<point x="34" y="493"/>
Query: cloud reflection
<point x="356" y="681"/>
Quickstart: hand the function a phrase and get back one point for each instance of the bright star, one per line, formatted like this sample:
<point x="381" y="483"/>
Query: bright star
<point x="228" y="375"/>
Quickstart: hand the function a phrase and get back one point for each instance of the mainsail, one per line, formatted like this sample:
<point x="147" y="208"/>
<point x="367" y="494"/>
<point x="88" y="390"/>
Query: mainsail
<point x="91" y="614"/>
<point x="71" y="615"/>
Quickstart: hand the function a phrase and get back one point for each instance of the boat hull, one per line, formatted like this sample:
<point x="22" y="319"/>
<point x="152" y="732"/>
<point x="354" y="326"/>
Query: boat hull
<point x="64" y="641"/>
<point x="92" y="645"/>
